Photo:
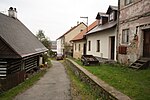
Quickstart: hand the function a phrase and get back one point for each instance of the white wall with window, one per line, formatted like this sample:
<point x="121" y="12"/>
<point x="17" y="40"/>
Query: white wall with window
<point x="98" y="46"/>
<point x="100" y="43"/>
<point x="78" y="49"/>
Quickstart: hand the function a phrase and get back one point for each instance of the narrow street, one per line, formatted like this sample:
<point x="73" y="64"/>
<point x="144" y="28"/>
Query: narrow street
<point x="55" y="85"/>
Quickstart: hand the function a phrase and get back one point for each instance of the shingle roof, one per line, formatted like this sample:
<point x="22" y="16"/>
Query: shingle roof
<point x="19" y="37"/>
<point x="111" y="8"/>
<point x="81" y="35"/>
<point x="103" y="27"/>
<point x="70" y="30"/>
<point x="101" y="14"/>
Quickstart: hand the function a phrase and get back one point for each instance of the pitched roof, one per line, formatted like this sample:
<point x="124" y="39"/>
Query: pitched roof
<point x="19" y="37"/>
<point x="103" y="27"/>
<point x="81" y="35"/>
<point x="70" y="30"/>
<point x="110" y="8"/>
<point x="101" y="14"/>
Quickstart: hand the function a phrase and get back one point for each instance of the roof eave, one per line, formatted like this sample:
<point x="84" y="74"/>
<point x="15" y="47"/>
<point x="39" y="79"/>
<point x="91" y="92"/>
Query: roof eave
<point x="26" y="55"/>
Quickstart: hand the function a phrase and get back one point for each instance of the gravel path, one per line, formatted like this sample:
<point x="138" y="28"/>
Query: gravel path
<point x="55" y="85"/>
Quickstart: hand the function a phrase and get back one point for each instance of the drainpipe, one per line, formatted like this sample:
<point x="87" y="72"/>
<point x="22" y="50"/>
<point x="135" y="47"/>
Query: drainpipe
<point x="117" y="42"/>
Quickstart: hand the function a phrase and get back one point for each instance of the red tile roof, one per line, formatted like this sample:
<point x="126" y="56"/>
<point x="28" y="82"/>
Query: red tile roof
<point x="80" y="36"/>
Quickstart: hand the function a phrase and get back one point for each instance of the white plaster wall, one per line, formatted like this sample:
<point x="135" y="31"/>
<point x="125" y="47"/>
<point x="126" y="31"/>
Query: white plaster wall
<point x="104" y="37"/>
<point x="76" y="53"/>
<point x="59" y="47"/>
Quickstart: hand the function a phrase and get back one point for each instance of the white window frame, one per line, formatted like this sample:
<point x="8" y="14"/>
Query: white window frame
<point x="75" y="46"/>
<point x="79" y="47"/>
<point x="98" y="46"/>
<point x="111" y="16"/>
<point x="125" y="36"/>
<point x="89" y="45"/>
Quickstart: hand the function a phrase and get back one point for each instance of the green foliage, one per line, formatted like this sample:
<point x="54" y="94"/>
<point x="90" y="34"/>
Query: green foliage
<point x="9" y="95"/>
<point x="44" y="40"/>
<point x="40" y="35"/>
<point x="131" y="82"/>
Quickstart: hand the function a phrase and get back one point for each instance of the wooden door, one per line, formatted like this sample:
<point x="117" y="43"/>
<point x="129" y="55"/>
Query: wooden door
<point x="146" y="43"/>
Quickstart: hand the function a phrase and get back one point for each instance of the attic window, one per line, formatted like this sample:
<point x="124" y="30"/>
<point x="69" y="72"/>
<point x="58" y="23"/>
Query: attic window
<point x="100" y="22"/>
<point x="111" y="16"/>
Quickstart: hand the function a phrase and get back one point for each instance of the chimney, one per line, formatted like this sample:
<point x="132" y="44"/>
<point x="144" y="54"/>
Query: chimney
<point x="12" y="12"/>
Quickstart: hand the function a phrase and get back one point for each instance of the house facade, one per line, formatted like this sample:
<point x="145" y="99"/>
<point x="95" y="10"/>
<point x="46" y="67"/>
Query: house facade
<point x="79" y="42"/>
<point x="20" y="51"/>
<point x="101" y="41"/>
<point x="133" y="30"/>
<point x="64" y="46"/>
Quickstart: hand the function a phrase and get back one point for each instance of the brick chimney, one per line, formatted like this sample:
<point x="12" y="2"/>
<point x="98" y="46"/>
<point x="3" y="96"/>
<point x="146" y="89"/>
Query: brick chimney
<point x="12" y="12"/>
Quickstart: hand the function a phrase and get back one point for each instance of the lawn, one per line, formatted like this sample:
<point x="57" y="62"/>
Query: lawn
<point x="134" y="83"/>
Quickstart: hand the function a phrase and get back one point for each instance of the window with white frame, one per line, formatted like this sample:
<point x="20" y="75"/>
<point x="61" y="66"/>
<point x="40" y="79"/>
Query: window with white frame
<point x="99" y="22"/>
<point x="128" y="2"/>
<point x="79" y="47"/>
<point x="75" y="46"/>
<point x="89" y="45"/>
<point x="98" y="45"/>
<point x="125" y="36"/>
<point x="111" y="16"/>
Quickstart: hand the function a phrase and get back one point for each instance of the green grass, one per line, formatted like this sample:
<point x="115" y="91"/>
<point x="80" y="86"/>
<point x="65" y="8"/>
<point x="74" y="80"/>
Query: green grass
<point x="9" y="95"/>
<point x="135" y="84"/>
<point x="80" y="90"/>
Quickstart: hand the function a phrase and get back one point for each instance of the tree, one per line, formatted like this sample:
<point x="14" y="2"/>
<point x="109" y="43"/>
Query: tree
<point x="44" y="40"/>
<point x="40" y="35"/>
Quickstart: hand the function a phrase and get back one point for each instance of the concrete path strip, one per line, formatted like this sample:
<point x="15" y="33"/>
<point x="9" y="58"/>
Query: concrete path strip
<point x="55" y="85"/>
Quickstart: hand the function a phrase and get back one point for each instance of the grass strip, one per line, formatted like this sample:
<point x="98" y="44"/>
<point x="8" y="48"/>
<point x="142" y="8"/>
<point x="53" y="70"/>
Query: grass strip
<point x="79" y="89"/>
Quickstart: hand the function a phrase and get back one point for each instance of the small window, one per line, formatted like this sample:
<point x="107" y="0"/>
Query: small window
<point x="127" y="2"/>
<point x="89" y="45"/>
<point x="111" y="16"/>
<point x="99" y="22"/>
<point x="75" y="46"/>
<point x="98" y="45"/>
<point x="125" y="36"/>
<point x="79" y="47"/>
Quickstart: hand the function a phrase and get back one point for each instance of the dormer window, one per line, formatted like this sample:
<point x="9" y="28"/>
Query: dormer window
<point x="127" y="2"/>
<point x="111" y="16"/>
<point x="99" y="22"/>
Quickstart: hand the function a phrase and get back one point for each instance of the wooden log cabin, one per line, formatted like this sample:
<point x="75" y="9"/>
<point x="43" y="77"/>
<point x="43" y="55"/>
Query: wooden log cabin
<point x="20" y="50"/>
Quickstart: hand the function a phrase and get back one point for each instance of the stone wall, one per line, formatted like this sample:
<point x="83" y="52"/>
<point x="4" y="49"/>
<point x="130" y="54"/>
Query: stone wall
<point x="104" y="91"/>
<point x="136" y="18"/>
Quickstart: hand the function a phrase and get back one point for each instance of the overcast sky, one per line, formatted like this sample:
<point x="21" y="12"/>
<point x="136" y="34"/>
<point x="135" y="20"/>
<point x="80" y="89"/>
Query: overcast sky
<point x="55" y="17"/>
